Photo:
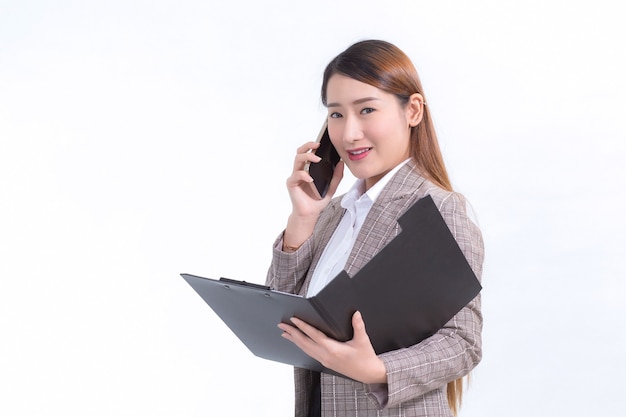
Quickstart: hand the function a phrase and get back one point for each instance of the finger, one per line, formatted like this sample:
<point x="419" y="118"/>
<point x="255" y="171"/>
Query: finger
<point x="309" y="330"/>
<point x="297" y="178"/>
<point x="308" y="147"/>
<point x="357" y="321"/>
<point x="301" y="340"/>
<point x="306" y="153"/>
<point x="292" y="333"/>
<point x="358" y="325"/>
<point x="301" y="160"/>
<point x="285" y="327"/>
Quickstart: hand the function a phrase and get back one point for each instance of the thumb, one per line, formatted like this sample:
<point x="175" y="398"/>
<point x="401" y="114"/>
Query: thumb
<point x="359" y="326"/>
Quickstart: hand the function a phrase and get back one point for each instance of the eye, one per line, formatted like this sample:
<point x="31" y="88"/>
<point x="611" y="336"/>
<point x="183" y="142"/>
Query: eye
<point x="335" y="115"/>
<point x="367" y="110"/>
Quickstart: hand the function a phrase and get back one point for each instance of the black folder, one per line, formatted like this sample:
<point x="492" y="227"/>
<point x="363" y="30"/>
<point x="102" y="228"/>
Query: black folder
<point x="405" y="293"/>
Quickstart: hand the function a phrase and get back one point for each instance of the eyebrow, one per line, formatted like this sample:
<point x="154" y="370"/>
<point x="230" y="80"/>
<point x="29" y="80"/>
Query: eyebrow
<point x="359" y="101"/>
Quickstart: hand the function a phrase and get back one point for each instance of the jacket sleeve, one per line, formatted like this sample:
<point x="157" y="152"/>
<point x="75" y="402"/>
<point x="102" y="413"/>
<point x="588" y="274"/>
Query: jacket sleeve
<point x="288" y="269"/>
<point x="455" y="349"/>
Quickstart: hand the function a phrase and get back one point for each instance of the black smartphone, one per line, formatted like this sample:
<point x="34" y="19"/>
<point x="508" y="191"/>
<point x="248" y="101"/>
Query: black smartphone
<point x="322" y="171"/>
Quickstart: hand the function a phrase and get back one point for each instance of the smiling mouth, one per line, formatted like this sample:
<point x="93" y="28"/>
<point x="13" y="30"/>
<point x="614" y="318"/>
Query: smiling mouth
<point x="358" y="154"/>
<point x="360" y="151"/>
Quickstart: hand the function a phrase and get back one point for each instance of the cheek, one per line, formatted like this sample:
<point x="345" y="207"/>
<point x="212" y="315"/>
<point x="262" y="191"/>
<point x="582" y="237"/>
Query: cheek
<point x="394" y="134"/>
<point x="382" y="131"/>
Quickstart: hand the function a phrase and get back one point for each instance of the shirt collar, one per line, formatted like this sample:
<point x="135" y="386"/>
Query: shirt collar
<point x="356" y="192"/>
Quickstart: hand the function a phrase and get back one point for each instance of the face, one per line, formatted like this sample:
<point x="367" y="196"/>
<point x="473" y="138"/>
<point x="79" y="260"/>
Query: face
<point x="369" y="127"/>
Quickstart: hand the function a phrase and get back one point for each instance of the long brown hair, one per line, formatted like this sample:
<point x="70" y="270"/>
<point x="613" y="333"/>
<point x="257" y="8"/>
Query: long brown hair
<point x="383" y="65"/>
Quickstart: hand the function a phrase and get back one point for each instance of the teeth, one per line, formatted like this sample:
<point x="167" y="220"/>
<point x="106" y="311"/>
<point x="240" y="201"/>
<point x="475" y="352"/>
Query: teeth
<point x="360" y="152"/>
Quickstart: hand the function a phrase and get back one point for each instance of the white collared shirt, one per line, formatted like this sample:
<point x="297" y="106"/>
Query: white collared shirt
<point x="357" y="204"/>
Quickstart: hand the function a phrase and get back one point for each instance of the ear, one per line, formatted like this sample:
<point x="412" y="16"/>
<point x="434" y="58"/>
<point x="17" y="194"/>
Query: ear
<point x="415" y="109"/>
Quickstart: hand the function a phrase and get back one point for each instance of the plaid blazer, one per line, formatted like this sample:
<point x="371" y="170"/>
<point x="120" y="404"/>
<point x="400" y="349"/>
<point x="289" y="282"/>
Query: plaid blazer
<point x="417" y="376"/>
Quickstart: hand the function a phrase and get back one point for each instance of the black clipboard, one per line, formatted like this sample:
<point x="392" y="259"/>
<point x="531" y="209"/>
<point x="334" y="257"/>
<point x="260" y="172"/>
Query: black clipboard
<point x="405" y="293"/>
<point x="253" y="312"/>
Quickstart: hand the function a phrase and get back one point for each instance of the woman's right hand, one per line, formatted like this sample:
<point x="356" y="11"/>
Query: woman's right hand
<point x="306" y="205"/>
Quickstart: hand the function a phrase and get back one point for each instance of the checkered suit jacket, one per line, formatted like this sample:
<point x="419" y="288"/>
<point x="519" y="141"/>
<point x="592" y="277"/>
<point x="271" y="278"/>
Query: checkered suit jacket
<point x="417" y="375"/>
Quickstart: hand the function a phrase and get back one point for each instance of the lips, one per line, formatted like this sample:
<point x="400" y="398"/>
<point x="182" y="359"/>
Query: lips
<point x="356" y="154"/>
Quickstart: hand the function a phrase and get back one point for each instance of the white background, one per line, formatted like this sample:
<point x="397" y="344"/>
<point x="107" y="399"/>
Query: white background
<point x="142" y="139"/>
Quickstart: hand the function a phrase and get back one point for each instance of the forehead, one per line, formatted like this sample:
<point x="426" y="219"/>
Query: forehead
<point x="344" y="91"/>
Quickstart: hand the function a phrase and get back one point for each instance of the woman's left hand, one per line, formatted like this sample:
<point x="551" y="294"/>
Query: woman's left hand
<point x="355" y="358"/>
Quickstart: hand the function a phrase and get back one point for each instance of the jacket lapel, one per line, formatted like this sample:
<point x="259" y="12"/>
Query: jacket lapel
<point x="380" y="225"/>
<point x="324" y="229"/>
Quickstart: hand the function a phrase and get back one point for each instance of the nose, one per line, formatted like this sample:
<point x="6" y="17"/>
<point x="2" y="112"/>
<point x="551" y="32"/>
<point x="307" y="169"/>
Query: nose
<point x="352" y="129"/>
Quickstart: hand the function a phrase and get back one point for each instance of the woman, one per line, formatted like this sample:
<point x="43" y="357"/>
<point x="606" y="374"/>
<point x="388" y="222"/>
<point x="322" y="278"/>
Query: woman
<point x="381" y="127"/>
